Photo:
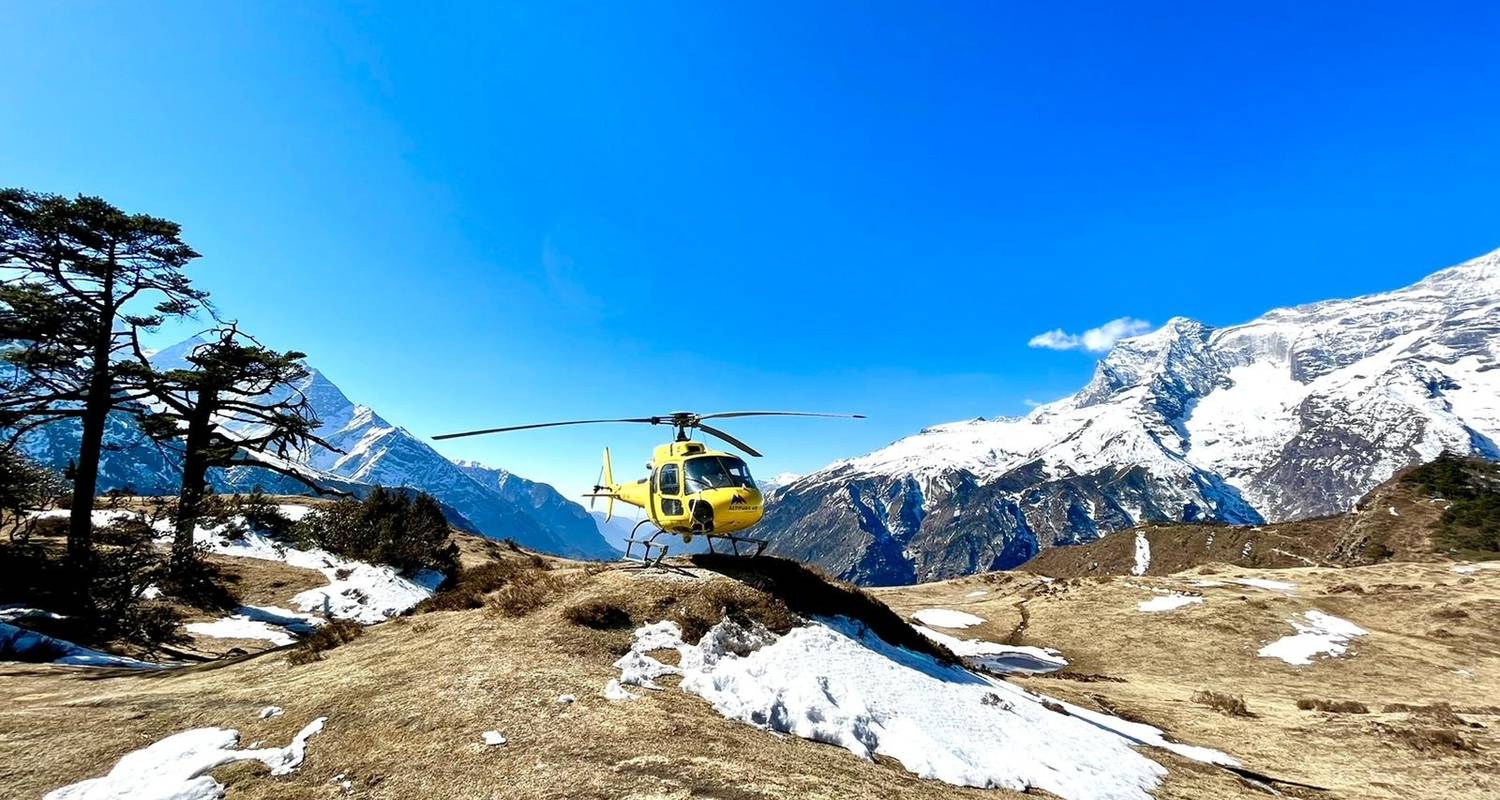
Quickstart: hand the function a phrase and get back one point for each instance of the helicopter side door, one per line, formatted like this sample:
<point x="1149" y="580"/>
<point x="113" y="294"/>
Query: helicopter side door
<point x="669" y="501"/>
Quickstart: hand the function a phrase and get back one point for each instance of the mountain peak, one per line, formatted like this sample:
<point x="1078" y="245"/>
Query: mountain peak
<point x="1297" y="413"/>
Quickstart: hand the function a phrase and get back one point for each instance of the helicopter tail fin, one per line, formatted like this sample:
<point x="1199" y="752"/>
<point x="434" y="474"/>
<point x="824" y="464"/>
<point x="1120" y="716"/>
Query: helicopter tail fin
<point x="608" y="479"/>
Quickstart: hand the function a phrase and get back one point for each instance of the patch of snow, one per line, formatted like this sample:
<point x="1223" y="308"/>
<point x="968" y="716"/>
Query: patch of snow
<point x="614" y="691"/>
<point x="494" y="738"/>
<point x="357" y="590"/>
<point x="1142" y="554"/>
<point x="833" y="681"/>
<point x="17" y="612"/>
<point x="1167" y="603"/>
<point x="1317" y="634"/>
<point x="271" y="711"/>
<point x="151" y="593"/>
<point x="238" y="627"/>
<point x="980" y="593"/>
<point x="1266" y="583"/>
<point x="946" y="618"/>
<point x="566" y="699"/>
<point x="26" y="645"/>
<point x="1298" y="556"/>
<point x="1393" y="511"/>
<point x="177" y="767"/>
<point x="1005" y="658"/>
<point x="1465" y="569"/>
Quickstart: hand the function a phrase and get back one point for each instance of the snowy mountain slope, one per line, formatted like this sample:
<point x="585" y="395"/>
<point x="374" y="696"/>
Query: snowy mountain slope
<point x="1295" y="414"/>
<point x="374" y="452"/>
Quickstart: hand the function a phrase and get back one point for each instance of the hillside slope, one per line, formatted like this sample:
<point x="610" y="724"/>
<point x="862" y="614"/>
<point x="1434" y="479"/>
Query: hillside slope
<point x="1402" y="519"/>
<point x="407" y="706"/>
<point x="1294" y="415"/>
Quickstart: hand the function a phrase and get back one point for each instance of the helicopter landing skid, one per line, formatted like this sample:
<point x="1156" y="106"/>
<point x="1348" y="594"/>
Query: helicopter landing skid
<point x="735" y="544"/>
<point x="644" y="552"/>
<point x="650" y="553"/>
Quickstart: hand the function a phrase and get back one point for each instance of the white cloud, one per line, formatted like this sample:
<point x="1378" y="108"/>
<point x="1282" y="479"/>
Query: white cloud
<point x="1094" y="340"/>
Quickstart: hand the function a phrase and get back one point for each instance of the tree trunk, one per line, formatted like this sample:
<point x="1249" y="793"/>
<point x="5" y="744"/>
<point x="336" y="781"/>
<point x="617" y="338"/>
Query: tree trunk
<point x="86" y="470"/>
<point x="96" y="407"/>
<point x="194" y="476"/>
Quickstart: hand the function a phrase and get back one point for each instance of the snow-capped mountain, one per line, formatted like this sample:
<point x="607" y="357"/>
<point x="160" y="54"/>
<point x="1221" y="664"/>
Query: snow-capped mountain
<point x="374" y="452"/>
<point x="1295" y="414"/>
<point x="769" y="486"/>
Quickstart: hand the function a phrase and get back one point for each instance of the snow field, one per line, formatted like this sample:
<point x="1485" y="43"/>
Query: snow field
<point x="1266" y="583"/>
<point x="1005" y="658"/>
<point x="832" y="681"/>
<point x="177" y="767"/>
<point x="19" y="642"/>
<point x="1317" y="634"/>
<point x="946" y="618"/>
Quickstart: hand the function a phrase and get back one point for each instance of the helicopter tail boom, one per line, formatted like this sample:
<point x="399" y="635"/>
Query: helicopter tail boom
<point x="606" y="488"/>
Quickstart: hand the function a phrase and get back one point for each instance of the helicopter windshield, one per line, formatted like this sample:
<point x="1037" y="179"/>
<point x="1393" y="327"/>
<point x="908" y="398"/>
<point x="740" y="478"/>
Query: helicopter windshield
<point x="717" y="472"/>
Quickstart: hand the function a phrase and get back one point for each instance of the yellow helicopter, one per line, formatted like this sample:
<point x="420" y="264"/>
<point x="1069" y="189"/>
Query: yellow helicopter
<point x="691" y="491"/>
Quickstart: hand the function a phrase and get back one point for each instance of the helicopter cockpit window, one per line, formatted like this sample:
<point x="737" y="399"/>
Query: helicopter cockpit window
<point x="717" y="472"/>
<point x="667" y="482"/>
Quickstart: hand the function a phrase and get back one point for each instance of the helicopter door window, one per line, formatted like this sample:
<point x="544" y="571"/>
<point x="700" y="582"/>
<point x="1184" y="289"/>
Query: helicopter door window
<point x="667" y="481"/>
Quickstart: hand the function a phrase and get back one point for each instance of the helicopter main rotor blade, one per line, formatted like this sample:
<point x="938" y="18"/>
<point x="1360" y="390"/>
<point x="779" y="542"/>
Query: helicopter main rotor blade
<point x="648" y="420"/>
<point x="712" y="431"/>
<point x="725" y="414"/>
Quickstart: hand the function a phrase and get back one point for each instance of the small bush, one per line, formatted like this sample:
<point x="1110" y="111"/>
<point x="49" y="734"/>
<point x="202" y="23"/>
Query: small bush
<point x="472" y="586"/>
<point x="101" y="601"/>
<point x="329" y="635"/>
<point x="261" y="514"/>
<point x="24" y="487"/>
<point x="1440" y="713"/>
<point x="197" y="582"/>
<point x="387" y="527"/>
<point x="1226" y="704"/>
<point x="1332" y="706"/>
<point x="1431" y="740"/>
<point x="717" y="600"/>
<point x="528" y="590"/>
<point x="601" y="615"/>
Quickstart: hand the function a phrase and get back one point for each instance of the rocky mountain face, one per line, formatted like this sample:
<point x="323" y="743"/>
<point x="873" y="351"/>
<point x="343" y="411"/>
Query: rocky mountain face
<point x="369" y="451"/>
<point x="1293" y="415"/>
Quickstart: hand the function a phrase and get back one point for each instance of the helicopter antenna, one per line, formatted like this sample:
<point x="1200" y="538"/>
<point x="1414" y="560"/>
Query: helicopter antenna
<point x="681" y="421"/>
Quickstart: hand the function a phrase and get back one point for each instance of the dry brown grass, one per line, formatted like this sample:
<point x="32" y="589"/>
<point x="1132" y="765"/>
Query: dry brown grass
<point x="1227" y="704"/>
<point x="406" y="703"/>
<point x="1333" y="706"/>
<point x="528" y="590"/>
<point x="475" y="584"/>
<point x="601" y="615"/>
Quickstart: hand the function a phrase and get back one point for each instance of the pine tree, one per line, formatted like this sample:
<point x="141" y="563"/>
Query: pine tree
<point x="234" y="381"/>
<point x="79" y="278"/>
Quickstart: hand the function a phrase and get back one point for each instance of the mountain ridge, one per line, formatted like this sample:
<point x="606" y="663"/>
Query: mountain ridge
<point x="1296" y="413"/>
<point x="367" y="450"/>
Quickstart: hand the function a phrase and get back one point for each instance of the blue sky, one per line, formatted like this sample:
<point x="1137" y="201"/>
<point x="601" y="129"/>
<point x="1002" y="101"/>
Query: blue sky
<point x="489" y="215"/>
